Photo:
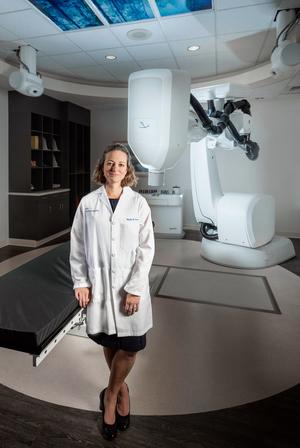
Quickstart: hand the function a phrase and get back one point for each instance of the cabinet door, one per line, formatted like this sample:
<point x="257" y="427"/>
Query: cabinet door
<point x="65" y="206"/>
<point x="61" y="212"/>
<point x="53" y="214"/>
<point x="23" y="217"/>
<point x="46" y="217"/>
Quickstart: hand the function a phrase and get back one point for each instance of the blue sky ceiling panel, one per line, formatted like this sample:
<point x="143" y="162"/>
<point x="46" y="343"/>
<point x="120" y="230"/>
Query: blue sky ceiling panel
<point x="68" y="14"/>
<point x="118" y="11"/>
<point x="170" y="8"/>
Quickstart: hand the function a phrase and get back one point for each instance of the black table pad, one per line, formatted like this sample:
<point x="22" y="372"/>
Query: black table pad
<point x="35" y="300"/>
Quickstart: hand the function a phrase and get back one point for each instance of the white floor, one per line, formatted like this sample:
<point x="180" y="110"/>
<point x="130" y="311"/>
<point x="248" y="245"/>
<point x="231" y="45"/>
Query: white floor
<point x="199" y="356"/>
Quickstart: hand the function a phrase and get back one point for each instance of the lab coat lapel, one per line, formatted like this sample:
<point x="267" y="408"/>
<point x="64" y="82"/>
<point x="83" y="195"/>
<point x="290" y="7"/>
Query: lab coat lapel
<point x="122" y="202"/>
<point x="104" y="198"/>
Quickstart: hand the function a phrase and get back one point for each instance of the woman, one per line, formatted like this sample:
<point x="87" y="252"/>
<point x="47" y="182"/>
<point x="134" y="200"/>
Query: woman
<point x="112" y="248"/>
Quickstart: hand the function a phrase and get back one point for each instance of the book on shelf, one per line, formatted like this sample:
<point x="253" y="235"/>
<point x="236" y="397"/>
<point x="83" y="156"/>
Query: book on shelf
<point x="35" y="142"/>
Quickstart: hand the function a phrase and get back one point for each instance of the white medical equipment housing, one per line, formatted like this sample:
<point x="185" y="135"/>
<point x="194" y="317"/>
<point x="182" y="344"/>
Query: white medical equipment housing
<point x="158" y="117"/>
<point x="27" y="81"/>
<point x="166" y="212"/>
<point x="160" y="127"/>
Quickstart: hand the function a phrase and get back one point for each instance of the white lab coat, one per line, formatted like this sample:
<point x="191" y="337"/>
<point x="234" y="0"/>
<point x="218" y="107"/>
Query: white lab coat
<point x="113" y="253"/>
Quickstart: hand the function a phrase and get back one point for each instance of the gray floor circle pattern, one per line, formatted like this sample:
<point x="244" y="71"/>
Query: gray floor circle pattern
<point x="199" y="357"/>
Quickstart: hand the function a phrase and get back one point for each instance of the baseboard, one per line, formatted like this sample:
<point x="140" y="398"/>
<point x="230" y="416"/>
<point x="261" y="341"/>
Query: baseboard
<point x="34" y="243"/>
<point x="4" y="243"/>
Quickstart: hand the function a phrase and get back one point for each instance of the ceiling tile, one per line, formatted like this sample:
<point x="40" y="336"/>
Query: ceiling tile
<point x="250" y="18"/>
<point x="120" y="31"/>
<point x="27" y="23"/>
<point x="6" y="35"/>
<point x="189" y="26"/>
<point x="204" y="71"/>
<point x="13" y="5"/>
<point x="199" y="61"/>
<point x="74" y="60"/>
<point x="179" y="47"/>
<point x="122" y="70"/>
<point x="150" y="51"/>
<point x="227" y="62"/>
<point x="228" y="4"/>
<point x="198" y="67"/>
<point x="159" y="63"/>
<point x="47" y="64"/>
<point x="121" y="54"/>
<point x="268" y="46"/>
<point x="96" y="39"/>
<point x="58" y="44"/>
<point x="245" y="46"/>
<point x="245" y="36"/>
<point x="95" y="73"/>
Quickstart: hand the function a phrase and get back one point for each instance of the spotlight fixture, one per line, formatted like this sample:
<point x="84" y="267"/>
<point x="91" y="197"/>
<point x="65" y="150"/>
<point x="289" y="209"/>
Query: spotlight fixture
<point x="139" y="34"/>
<point x="193" y="48"/>
<point x="110" y="57"/>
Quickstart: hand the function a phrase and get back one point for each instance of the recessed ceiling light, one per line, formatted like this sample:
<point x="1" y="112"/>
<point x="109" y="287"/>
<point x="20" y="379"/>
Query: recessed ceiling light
<point x="139" y="34"/>
<point x="110" y="57"/>
<point x="193" y="48"/>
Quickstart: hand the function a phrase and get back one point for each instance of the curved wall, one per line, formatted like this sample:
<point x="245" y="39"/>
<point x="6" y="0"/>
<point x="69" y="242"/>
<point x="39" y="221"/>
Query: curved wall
<point x="275" y="124"/>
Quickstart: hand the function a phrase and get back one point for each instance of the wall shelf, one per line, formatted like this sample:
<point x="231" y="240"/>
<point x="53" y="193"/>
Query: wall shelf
<point x="41" y="151"/>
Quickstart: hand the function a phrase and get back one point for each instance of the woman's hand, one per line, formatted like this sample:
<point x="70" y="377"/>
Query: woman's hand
<point x="131" y="304"/>
<point x="83" y="295"/>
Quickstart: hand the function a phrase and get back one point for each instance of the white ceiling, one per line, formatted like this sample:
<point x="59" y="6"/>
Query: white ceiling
<point x="235" y="35"/>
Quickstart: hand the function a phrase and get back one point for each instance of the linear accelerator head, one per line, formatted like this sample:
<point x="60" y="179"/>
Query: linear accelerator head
<point x="158" y="112"/>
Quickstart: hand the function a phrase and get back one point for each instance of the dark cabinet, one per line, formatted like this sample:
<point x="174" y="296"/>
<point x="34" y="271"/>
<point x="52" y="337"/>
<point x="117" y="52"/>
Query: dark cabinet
<point x="49" y="164"/>
<point x="35" y="217"/>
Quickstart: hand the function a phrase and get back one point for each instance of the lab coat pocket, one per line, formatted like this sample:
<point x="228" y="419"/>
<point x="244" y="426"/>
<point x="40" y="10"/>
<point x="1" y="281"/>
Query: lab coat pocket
<point x="96" y="279"/>
<point x="129" y="235"/>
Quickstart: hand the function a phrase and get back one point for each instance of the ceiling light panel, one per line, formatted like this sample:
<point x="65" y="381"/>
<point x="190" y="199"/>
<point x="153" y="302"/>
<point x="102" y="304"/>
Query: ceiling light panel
<point x="68" y="14"/>
<point x="118" y="11"/>
<point x="180" y="7"/>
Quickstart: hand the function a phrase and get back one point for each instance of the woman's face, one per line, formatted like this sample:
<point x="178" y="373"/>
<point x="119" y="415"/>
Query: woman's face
<point x="115" y="167"/>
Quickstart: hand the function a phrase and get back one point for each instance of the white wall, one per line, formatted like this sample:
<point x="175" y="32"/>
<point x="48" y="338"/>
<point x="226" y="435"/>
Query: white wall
<point x="3" y="167"/>
<point x="276" y="171"/>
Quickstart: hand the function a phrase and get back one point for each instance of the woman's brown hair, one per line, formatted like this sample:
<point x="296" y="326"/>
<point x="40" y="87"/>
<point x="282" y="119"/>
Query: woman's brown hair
<point x="129" y="180"/>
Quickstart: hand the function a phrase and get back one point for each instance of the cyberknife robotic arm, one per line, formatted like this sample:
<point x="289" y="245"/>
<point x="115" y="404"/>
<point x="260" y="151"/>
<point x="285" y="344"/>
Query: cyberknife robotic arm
<point x="238" y="229"/>
<point x="242" y="140"/>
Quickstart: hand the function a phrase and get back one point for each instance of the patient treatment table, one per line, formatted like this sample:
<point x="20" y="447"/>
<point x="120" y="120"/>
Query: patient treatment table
<point x="37" y="304"/>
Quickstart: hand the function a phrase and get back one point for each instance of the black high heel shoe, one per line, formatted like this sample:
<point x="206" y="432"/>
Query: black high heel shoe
<point x="123" y="421"/>
<point x="109" y="432"/>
